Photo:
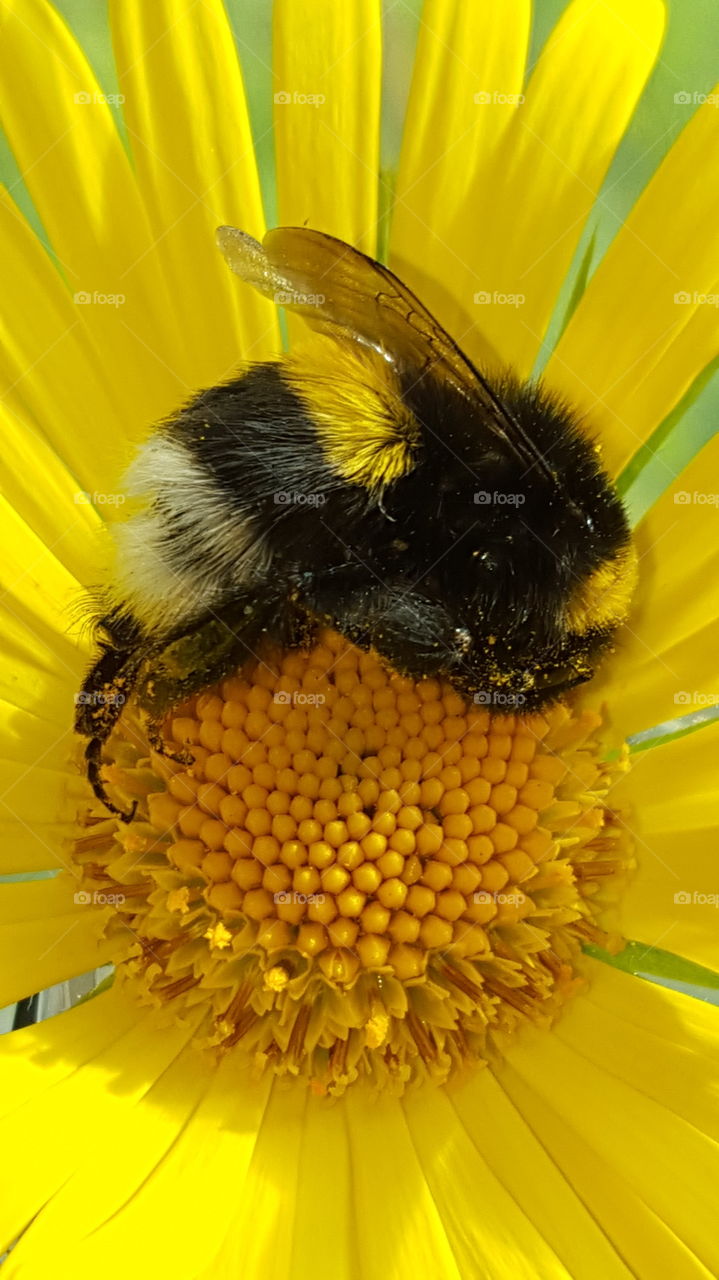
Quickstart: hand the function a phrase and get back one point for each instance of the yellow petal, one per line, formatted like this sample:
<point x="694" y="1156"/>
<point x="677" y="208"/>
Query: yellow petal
<point x="31" y="575"/>
<point x="83" y="188"/>
<point x="409" y="1236"/>
<point x="45" y="937"/>
<point x="40" y="846"/>
<point x="206" y="1173"/>
<point x="667" y="663"/>
<point x="619" y="1118"/>
<point x="618" y="1024"/>
<point x="37" y="806"/>
<point x="36" y="1058"/>
<point x="327" y="84"/>
<point x="537" y="1186"/>
<point x="649" y="294"/>
<point x="442" y="195"/>
<point x="41" y="668"/>
<point x="268" y="1195"/>
<point x="325" y="1146"/>
<point x="59" y="512"/>
<point x="673" y="795"/>
<point x="190" y="138"/>
<point x="42" y="665"/>
<point x="32" y="741"/>
<point x="506" y="223"/>
<point x="140" y="1140"/>
<point x="588" y="1106"/>
<point x="72" y="1120"/>
<point x="56" y="388"/>
<point x="504" y="1238"/>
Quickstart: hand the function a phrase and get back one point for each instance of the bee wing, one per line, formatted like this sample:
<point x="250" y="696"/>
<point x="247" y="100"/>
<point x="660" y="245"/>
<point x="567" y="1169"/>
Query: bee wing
<point x="339" y="290"/>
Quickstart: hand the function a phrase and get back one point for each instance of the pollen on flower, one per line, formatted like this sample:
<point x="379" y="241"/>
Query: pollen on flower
<point x="276" y="978"/>
<point x="376" y="1029"/>
<point x="218" y="936"/>
<point x="356" y="875"/>
<point x="178" y="900"/>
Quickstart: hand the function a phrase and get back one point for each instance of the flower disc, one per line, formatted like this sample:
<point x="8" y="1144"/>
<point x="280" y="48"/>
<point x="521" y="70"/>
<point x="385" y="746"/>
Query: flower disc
<point x="355" y="873"/>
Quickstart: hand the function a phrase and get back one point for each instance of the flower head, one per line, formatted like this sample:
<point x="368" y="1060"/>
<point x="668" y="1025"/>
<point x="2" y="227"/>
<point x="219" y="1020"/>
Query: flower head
<point x="587" y="1142"/>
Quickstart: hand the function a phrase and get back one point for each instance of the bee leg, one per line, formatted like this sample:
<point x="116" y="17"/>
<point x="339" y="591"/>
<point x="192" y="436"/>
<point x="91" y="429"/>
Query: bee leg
<point x="93" y="759"/>
<point x="100" y="703"/>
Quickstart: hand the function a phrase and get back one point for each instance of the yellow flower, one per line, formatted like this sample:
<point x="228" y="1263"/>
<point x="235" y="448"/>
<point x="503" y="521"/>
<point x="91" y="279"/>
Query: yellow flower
<point x="590" y="1150"/>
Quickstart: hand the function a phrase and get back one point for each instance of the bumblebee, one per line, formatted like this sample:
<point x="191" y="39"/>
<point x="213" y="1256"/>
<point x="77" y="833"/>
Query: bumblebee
<point x="375" y="482"/>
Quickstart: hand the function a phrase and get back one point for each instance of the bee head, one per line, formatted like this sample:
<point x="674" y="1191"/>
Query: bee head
<point x="534" y="566"/>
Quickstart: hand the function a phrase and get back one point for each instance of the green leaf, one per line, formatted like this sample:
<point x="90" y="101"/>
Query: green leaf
<point x="670" y="448"/>
<point x="662" y="967"/>
<point x="580" y="284"/>
<point x="670" y="730"/>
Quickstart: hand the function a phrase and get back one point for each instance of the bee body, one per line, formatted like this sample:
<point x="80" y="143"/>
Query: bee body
<point x="374" y="482"/>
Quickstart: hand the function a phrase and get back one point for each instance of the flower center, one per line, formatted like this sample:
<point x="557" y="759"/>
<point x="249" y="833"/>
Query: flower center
<point x="355" y="874"/>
